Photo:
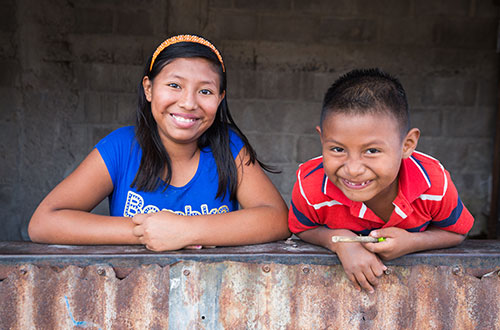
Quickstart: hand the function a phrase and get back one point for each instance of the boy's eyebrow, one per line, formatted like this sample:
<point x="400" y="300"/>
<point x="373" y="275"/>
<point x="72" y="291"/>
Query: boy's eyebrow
<point x="373" y="142"/>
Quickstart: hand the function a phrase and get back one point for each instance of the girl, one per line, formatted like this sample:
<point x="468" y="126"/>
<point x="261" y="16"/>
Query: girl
<point x="179" y="175"/>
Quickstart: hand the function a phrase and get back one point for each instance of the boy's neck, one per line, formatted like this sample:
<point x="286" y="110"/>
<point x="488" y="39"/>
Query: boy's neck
<point x="381" y="204"/>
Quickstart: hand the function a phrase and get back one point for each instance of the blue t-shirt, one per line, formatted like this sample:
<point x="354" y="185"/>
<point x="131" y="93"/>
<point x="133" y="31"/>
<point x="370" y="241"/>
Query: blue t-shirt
<point x="122" y="154"/>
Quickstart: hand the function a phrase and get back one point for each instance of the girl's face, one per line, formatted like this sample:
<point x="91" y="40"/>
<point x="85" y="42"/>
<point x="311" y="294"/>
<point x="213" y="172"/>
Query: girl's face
<point x="184" y="99"/>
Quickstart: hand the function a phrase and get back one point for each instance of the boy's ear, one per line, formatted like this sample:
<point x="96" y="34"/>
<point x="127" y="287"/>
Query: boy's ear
<point x="318" y="129"/>
<point x="410" y="142"/>
<point x="147" y="86"/>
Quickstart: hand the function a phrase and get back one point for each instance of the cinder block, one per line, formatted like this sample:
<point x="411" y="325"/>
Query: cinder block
<point x="112" y="78"/>
<point x="299" y="117"/>
<point x="442" y="8"/>
<point x="449" y="91"/>
<point x="8" y="22"/>
<point x="308" y="146"/>
<point x="136" y="22"/>
<point x="9" y="147"/>
<point x="479" y="155"/>
<point x="10" y="104"/>
<point x="278" y="85"/>
<point x="221" y="3"/>
<point x="188" y="16"/>
<point x="256" y="116"/>
<point x="348" y="30"/>
<point x="383" y="8"/>
<point x="273" y="148"/>
<point x="8" y="50"/>
<point x="126" y="107"/>
<point x="242" y="84"/>
<point x="229" y="25"/>
<point x="326" y="7"/>
<point x="93" y="20"/>
<point x="285" y="180"/>
<point x="469" y="122"/>
<point x="406" y="31"/>
<point x="92" y="49"/>
<point x="429" y="121"/>
<point x="10" y="73"/>
<point x="485" y="8"/>
<point x="466" y="33"/>
<point x="464" y="62"/>
<point x="289" y="28"/>
<point x="264" y="5"/>
<point x="487" y="93"/>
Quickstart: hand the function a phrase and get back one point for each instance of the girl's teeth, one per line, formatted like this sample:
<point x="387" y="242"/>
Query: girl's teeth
<point x="186" y="120"/>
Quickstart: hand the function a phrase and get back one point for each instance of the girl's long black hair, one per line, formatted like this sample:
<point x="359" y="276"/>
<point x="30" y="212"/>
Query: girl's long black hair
<point x="155" y="161"/>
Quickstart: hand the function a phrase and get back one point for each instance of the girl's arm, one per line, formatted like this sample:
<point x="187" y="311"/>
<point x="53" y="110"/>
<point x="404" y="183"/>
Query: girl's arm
<point x="64" y="217"/>
<point x="263" y="217"/>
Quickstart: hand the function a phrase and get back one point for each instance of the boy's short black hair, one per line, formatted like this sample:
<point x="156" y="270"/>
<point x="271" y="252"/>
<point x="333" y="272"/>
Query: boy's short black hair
<point x="367" y="91"/>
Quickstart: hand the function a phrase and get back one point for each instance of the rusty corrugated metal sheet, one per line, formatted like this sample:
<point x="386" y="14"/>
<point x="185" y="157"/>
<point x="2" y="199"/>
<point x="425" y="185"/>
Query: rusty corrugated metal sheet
<point x="236" y="295"/>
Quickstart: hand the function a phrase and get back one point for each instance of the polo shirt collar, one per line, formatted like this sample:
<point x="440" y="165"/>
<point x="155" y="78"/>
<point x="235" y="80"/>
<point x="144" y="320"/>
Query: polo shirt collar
<point x="413" y="181"/>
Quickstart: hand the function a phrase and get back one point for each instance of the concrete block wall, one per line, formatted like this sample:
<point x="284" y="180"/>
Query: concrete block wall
<point x="70" y="71"/>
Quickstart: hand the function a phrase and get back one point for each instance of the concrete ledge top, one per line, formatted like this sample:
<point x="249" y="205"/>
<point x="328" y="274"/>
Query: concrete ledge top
<point x="480" y="254"/>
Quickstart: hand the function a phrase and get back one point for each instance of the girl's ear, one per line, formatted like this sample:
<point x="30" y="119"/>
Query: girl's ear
<point x="410" y="142"/>
<point x="147" y="85"/>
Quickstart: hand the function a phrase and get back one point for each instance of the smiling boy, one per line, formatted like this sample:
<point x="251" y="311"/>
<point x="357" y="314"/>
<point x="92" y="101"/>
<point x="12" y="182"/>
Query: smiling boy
<point x="371" y="181"/>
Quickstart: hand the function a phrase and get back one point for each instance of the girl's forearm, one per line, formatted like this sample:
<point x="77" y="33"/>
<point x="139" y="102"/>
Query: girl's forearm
<point x="80" y="227"/>
<point x="247" y="226"/>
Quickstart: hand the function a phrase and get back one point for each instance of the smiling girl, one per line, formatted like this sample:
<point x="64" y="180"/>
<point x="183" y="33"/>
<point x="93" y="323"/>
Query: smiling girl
<point x="177" y="178"/>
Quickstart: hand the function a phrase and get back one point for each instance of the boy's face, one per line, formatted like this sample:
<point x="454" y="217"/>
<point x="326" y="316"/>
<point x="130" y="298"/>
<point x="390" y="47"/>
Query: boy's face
<point x="362" y="154"/>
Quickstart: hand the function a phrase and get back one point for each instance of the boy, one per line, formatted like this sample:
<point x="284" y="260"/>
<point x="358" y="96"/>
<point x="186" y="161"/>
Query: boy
<point x="371" y="181"/>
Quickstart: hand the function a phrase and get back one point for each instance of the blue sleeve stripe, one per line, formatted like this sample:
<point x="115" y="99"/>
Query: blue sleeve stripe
<point x="314" y="170"/>
<point x="422" y="168"/>
<point x="302" y="218"/>
<point x="419" y="228"/>
<point x="452" y="219"/>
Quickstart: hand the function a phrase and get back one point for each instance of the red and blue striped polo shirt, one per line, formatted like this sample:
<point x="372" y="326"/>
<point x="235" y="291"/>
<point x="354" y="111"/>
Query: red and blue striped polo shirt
<point x="426" y="197"/>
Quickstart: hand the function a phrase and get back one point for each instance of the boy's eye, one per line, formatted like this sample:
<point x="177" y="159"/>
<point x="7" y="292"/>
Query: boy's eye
<point x="173" y="85"/>
<point x="337" y="149"/>
<point x="206" y="92"/>
<point x="372" y="151"/>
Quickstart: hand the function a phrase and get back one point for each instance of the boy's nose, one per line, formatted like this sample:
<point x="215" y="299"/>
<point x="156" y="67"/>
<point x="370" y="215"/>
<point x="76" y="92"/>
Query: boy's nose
<point x="354" y="168"/>
<point x="188" y="100"/>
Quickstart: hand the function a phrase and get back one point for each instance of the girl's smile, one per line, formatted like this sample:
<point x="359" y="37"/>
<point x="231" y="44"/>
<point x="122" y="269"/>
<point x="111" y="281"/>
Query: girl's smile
<point x="184" y="98"/>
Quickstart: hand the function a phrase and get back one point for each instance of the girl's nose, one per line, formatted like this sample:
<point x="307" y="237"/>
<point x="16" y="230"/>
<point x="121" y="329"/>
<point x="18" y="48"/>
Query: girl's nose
<point x="188" y="100"/>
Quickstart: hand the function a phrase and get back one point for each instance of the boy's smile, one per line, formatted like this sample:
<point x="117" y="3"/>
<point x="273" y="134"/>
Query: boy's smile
<point x="362" y="155"/>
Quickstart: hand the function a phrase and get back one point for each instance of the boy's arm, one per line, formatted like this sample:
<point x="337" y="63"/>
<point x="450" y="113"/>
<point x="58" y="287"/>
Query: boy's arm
<point x="399" y="242"/>
<point x="360" y="265"/>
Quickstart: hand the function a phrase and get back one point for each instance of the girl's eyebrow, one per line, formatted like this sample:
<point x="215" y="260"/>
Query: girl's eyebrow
<point x="205" y="82"/>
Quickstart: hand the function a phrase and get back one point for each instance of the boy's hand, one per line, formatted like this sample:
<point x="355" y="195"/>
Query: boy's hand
<point x="361" y="266"/>
<point x="398" y="242"/>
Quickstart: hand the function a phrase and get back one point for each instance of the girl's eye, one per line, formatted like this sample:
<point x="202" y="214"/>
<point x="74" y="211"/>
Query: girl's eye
<point x="206" y="92"/>
<point x="174" y="85"/>
<point x="372" y="151"/>
<point x="337" y="149"/>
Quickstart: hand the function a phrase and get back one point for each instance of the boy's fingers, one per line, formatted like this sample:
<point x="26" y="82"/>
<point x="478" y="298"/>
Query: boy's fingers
<point x="361" y="278"/>
<point x="354" y="282"/>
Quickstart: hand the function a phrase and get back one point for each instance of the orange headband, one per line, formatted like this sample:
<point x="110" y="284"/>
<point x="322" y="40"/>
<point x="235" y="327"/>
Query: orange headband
<point x="185" y="38"/>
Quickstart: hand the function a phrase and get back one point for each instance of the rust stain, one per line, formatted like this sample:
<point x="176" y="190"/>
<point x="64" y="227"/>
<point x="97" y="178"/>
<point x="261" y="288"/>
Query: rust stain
<point x="238" y="295"/>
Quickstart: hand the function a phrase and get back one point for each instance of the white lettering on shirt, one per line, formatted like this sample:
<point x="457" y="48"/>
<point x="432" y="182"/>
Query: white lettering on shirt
<point x="135" y="205"/>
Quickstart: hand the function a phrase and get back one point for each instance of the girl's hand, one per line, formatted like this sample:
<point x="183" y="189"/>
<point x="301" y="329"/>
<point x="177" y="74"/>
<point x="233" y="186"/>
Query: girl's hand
<point x="398" y="242"/>
<point x="162" y="231"/>
<point x="361" y="266"/>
